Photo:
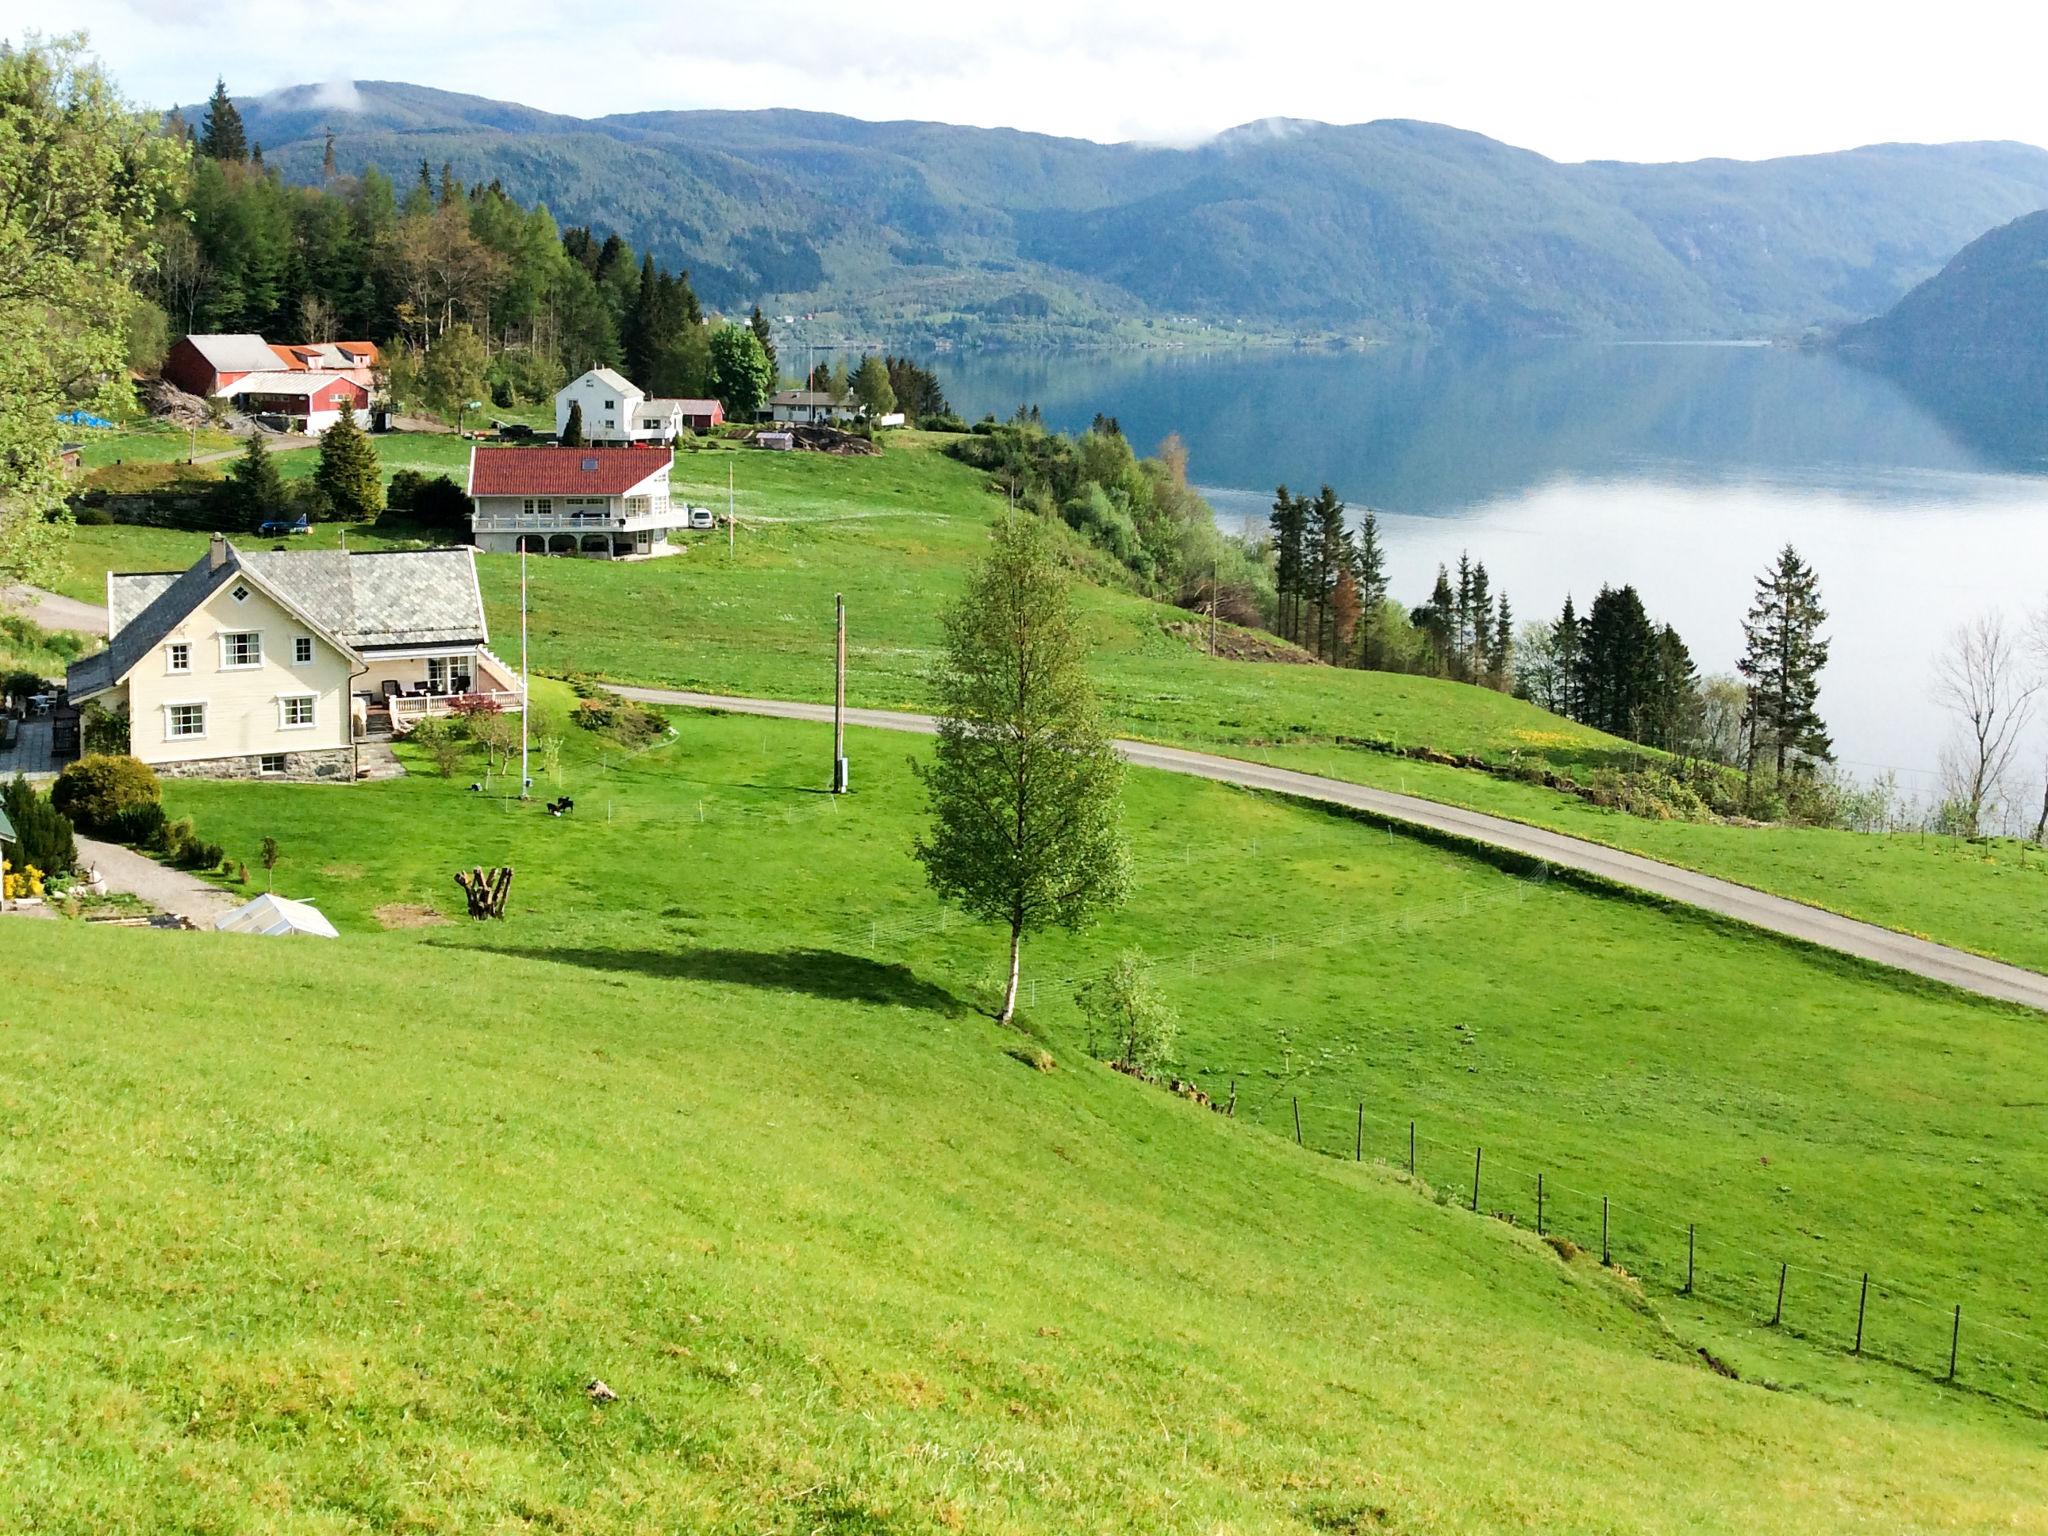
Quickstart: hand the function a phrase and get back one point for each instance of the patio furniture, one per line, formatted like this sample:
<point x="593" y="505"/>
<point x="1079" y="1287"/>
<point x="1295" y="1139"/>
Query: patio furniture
<point x="391" y="688"/>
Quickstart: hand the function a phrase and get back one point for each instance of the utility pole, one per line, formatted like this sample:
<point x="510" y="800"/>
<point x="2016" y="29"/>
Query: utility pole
<point x="839" y="704"/>
<point x="732" y="518"/>
<point x="525" y="679"/>
<point x="1213" y="568"/>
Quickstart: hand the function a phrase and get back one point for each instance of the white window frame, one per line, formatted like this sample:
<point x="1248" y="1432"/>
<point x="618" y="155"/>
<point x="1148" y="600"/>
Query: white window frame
<point x="265" y="759"/>
<point x="228" y="635"/>
<point x="172" y="665"/>
<point x="284" y="715"/>
<point x="300" y="642"/>
<point x="171" y="733"/>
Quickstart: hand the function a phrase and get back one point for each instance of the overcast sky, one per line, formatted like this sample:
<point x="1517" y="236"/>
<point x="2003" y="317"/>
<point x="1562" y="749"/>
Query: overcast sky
<point x="1574" y="80"/>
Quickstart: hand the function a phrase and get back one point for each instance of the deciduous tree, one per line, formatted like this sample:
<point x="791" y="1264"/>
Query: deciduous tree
<point x="1024" y="788"/>
<point x="740" y="375"/>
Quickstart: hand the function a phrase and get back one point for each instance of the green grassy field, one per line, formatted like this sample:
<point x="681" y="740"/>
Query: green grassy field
<point x="894" y="534"/>
<point x="1796" y="1108"/>
<point x="330" y="1237"/>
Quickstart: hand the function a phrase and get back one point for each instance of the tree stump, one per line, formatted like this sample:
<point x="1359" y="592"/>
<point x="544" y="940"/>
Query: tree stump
<point x="485" y="890"/>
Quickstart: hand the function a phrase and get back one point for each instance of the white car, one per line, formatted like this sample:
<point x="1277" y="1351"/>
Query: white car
<point x="703" y="517"/>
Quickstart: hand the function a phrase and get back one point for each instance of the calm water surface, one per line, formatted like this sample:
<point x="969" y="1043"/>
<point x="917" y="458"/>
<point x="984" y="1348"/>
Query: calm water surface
<point x="1679" y="469"/>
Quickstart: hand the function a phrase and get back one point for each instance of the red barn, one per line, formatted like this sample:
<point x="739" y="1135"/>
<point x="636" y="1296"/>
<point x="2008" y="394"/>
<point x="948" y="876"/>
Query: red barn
<point x="207" y="365"/>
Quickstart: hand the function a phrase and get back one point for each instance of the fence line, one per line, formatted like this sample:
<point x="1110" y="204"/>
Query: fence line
<point x="1943" y="1339"/>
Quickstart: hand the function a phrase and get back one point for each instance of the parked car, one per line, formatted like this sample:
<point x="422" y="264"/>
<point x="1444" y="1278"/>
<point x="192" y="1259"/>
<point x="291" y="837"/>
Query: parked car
<point x="278" y="525"/>
<point x="703" y="517"/>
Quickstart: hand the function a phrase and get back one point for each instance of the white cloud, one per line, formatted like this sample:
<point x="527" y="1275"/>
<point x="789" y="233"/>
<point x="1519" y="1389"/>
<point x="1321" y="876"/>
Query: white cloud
<point x="1598" y="78"/>
<point x="338" y="96"/>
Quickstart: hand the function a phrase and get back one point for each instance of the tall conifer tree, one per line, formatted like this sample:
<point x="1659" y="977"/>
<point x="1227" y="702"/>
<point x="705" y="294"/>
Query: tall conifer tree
<point x="221" y="136"/>
<point x="1781" y="661"/>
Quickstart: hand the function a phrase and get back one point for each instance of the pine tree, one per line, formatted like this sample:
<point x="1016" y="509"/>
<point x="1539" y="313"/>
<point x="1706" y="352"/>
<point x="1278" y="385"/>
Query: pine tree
<point x="221" y="136"/>
<point x="1568" y="646"/>
<point x="766" y="333"/>
<point x="348" y="470"/>
<point x="1438" y="621"/>
<point x="43" y="835"/>
<point x="1461" y="618"/>
<point x="450" y="193"/>
<point x="256" y="155"/>
<point x="1781" y="661"/>
<point x="1331" y="556"/>
<point x="1500" y="659"/>
<point x="1290" y="559"/>
<point x="1024" y="787"/>
<point x="253" y="492"/>
<point x="1369" y="561"/>
<point x="1620" y="666"/>
<point x="572" y="430"/>
<point x="1481" y="620"/>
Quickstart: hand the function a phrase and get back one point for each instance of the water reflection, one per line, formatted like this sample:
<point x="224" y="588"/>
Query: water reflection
<point x="1918" y="495"/>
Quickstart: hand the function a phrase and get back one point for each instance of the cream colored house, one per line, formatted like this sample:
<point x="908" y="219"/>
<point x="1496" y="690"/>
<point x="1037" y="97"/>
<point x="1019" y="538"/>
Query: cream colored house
<point x="282" y="664"/>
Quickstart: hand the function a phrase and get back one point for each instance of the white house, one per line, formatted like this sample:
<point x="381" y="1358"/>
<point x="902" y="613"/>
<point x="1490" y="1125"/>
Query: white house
<point x="280" y="664"/>
<point x="811" y="406"/>
<point x="603" y="503"/>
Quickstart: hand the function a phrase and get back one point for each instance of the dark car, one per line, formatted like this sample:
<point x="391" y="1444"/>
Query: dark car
<point x="278" y="525"/>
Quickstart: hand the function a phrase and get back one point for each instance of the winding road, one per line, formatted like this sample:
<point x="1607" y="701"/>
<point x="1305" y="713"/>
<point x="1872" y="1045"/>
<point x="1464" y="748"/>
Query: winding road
<point x="1812" y="925"/>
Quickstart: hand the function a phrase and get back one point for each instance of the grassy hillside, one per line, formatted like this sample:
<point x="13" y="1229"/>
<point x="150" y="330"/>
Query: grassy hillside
<point x="331" y="1237"/>
<point x="894" y="533"/>
<point x="1389" y="226"/>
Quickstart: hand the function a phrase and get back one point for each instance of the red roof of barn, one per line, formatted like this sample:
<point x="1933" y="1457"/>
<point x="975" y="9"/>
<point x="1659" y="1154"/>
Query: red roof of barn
<point x="563" y="471"/>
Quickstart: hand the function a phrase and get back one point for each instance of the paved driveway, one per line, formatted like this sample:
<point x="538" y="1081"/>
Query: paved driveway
<point x="53" y="610"/>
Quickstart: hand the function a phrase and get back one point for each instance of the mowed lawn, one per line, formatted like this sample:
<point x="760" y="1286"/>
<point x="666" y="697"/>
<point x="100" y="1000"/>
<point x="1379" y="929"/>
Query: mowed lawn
<point x="1796" y="1108"/>
<point x="332" y="1236"/>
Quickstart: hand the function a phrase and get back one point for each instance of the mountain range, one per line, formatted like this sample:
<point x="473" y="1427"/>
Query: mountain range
<point x="1378" y="229"/>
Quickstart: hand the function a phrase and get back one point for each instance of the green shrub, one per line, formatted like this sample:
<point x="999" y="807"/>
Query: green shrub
<point x="43" y="833"/>
<point x="440" y="503"/>
<point x="104" y="731"/>
<point x="97" y="791"/>
<point x="91" y="516"/>
<point x="628" y="723"/>
<point x="405" y="484"/>
<point x="141" y="826"/>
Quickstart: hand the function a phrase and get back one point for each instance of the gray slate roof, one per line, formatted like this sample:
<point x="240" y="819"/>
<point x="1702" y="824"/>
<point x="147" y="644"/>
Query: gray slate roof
<point x="367" y="601"/>
<point x="236" y="354"/>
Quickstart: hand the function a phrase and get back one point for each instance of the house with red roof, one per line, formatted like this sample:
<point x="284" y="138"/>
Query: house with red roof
<point x="602" y="503"/>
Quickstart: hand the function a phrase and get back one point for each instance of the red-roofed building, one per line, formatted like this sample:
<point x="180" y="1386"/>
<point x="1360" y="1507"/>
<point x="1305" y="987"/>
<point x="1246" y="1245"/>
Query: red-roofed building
<point x="603" y="503"/>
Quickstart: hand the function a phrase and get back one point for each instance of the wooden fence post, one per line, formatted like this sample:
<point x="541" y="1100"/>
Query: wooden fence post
<point x="1862" y="1301"/>
<point x="1477" y="1153"/>
<point x="1689" y="1231"/>
<point x="1606" y="1253"/>
<point x="1779" y="1315"/>
<point x="1955" y="1337"/>
<point x="1539" y="1205"/>
<point x="1358" y="1146"/>
<point x="1297" y="1120"/>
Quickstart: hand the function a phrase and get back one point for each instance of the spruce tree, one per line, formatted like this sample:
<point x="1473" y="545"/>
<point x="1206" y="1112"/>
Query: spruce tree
<point x="1024" y="786"/>
<point x="1568" y="646"/>
<point x="1332" y="557"/>
<point x="327" y="170"/>
<point x="572" y="431"/>
<point x="221" y="136"/>
<point x="1500" y="659"/>
<point x="1369" y="563"/>
<point x="1781" y="661"/>
<point x="450" y="193"/>
<point x="348" y="470"/>
<point x="253" y="492"/>
<point x="43" y="835"/>
<point x="1480" y="641"/>
<point x="766" y="333"/>
<point x="1461" y="618"/>
<point x="256" y="155"/>
<point x="1290" y="559"/>
<point x="1438" y="621"/>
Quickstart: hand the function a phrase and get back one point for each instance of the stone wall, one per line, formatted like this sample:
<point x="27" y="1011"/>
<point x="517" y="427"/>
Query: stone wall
<point x="329" y="764"/>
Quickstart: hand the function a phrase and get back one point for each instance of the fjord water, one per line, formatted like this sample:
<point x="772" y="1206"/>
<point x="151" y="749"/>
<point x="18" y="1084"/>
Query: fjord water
<point x="1681" y="469"/>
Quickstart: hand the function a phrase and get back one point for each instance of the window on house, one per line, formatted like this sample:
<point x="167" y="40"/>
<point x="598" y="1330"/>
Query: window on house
<point x="241" y="648"/>
<point x="270" y="762"/>
<point x="295" y="711"/>
<point x="302" y="650"/>
<point x="545" y="506"/>
<point x="183" y="721"/>
<point x="241" y="594"/>
<point x="178" y="657"/>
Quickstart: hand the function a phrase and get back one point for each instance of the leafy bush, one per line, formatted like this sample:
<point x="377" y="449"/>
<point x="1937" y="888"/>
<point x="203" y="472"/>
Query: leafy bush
<point x="440" y="503"/>
<point x="142" y="826"/>
<point x="93" y="516"/>
<point x="96" y="792"/>
<point x="1128" y="1017"/>
<point x="43" y="833"/>
<point x="405" y="485"/>
<point x="443" y="741"/>
<point x="600" y="710"/>
<point x="1647" y="792"/>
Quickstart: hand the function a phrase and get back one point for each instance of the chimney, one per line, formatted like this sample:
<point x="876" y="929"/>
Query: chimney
<point x="217" y="552"/>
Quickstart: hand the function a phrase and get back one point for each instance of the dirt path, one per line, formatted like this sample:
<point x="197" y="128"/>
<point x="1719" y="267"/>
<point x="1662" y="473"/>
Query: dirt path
<point x="168" y="890"/>
<point x="52" y="610"/>
<point x="1777" y="914"/>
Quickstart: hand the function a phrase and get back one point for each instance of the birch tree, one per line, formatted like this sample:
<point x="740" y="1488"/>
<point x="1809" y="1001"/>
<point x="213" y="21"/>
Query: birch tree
<point x="1025" y="790"/>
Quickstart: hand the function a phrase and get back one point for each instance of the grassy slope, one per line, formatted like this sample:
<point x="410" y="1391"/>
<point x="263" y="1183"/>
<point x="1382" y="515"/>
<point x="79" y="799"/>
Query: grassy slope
<point x="341" y="1255"/>
<point x="894" y="533"/>
<point x="1795" y="1108"/>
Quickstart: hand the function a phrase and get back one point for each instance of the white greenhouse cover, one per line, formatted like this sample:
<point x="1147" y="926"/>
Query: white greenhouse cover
<point x="276" y="914"/>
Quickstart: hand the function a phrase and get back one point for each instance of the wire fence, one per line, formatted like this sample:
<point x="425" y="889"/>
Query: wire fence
<point x="1962" y="1340"/>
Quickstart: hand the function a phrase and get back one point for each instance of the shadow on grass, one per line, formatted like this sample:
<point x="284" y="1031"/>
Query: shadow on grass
<point x="823" y="973"/>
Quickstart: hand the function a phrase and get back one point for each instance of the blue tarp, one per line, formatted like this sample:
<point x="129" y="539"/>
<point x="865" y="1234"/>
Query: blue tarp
<point x="82" y="419"/>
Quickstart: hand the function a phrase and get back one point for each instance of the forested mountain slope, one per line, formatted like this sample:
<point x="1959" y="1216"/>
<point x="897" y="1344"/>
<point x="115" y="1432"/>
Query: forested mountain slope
<point x="1382" y="228"/>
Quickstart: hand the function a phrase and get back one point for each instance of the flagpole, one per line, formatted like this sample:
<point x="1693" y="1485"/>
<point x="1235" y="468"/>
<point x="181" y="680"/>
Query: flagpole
<point x="525" y="679"/>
